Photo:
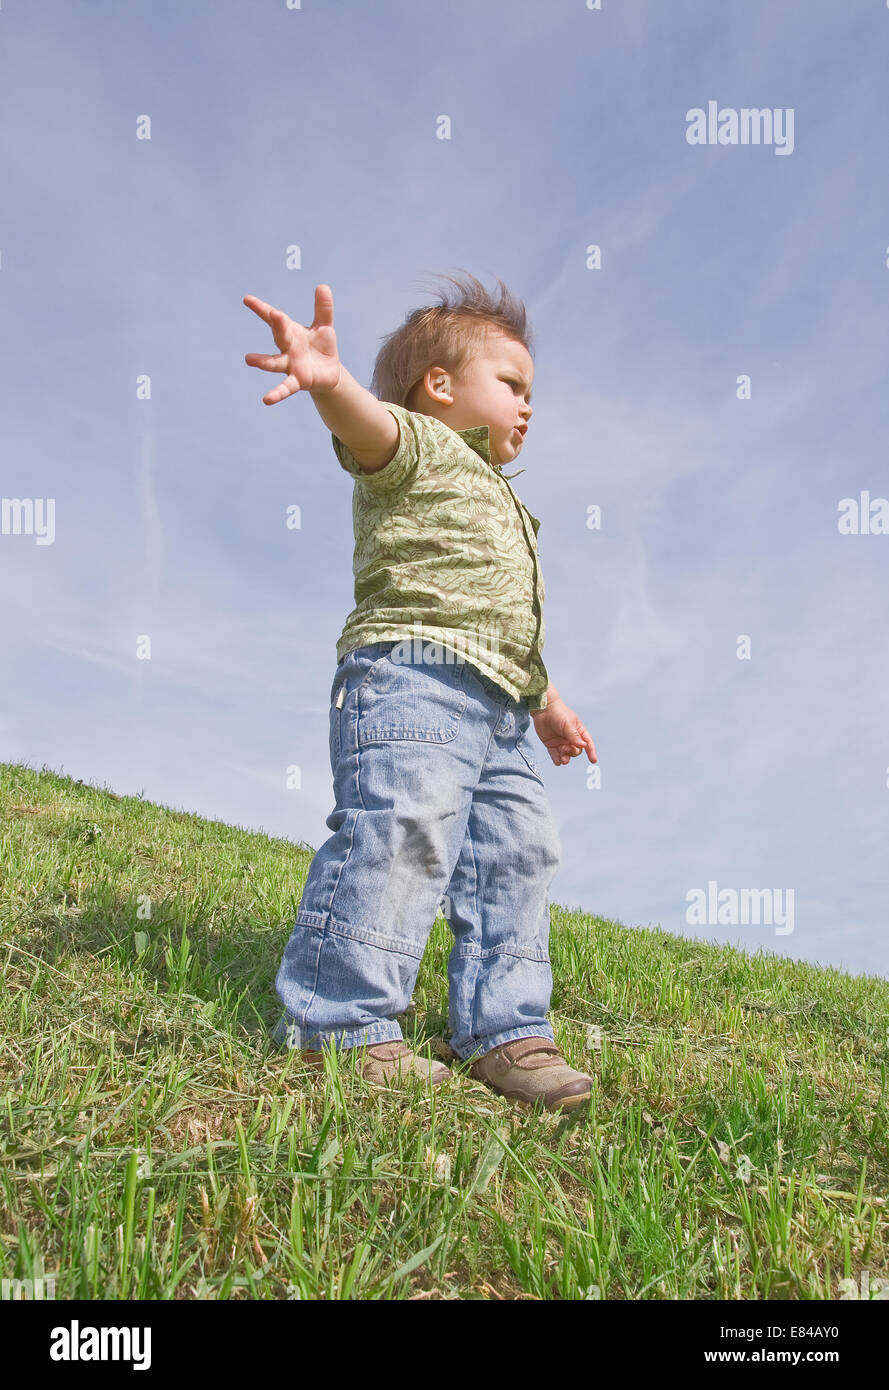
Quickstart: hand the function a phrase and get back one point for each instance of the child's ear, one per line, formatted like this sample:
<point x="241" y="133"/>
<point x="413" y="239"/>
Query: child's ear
<point x="438" y="382"/>
<point x="445" y="386"/>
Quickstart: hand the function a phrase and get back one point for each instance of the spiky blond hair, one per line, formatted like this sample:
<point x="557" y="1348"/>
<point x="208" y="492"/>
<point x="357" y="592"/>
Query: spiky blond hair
<point x="450" y="333"/>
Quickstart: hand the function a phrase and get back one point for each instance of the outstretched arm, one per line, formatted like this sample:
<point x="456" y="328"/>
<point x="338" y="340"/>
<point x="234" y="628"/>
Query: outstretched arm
<point x="310" y="362"/>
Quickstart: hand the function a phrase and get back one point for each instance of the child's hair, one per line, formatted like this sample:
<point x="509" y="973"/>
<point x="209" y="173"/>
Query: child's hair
<point x="450" y="332"/>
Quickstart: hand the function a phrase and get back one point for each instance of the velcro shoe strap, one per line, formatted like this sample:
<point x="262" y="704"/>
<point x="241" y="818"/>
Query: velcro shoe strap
<point x="389" y="1051"/>
<point x="523" y="1050"/>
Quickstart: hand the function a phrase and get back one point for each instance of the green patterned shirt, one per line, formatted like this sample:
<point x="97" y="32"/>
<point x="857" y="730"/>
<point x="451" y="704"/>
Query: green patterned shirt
<point x="445" y="552"/>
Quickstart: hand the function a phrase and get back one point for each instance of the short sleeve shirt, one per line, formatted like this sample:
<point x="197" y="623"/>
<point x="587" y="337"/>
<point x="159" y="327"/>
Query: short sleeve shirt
<point x="446" y="553"/>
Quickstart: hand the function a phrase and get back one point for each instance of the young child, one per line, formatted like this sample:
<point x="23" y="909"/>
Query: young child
<point x="439" y="802"/>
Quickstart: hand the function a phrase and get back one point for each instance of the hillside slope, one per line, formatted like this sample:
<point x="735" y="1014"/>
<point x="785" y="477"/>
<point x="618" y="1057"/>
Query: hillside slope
<point x="154" y="1143"/>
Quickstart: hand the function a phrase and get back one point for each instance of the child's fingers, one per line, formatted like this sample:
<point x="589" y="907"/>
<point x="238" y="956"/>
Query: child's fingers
<point x="323" y="307"/>
<point x="268" y="362"/>
<point x="289" y="386"/>
<point x="279" y="322"/>
<point x="586" y="742"/>
<point x="259" y="307"/>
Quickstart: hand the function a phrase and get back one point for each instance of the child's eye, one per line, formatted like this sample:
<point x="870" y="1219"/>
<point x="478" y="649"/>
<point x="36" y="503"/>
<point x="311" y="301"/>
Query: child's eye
<point x="512" y="381"/>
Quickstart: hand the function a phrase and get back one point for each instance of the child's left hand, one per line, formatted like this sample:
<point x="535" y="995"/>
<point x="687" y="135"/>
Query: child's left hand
<point x="562" y="733"/>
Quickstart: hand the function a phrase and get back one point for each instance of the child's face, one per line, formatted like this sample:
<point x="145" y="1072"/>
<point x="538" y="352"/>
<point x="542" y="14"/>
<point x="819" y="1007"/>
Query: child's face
<point x="494" y="390"/>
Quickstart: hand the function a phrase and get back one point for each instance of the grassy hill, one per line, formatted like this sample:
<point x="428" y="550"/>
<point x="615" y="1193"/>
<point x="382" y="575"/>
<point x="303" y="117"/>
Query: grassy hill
<point x="154" y="1143"/>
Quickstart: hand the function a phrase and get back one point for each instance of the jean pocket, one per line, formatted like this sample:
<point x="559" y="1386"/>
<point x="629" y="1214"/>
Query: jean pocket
<point x="524" y="747"/>
<point x="351" y="673"/>
<point x="422" y="702"/>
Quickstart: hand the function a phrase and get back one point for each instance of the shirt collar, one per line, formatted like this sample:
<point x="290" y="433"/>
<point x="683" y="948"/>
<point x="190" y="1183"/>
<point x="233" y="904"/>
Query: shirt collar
<point x="479" y="439"/>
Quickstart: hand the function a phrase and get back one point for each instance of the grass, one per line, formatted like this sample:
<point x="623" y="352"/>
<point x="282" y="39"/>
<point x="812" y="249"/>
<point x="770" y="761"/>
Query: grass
<point x="155" y="1144"/>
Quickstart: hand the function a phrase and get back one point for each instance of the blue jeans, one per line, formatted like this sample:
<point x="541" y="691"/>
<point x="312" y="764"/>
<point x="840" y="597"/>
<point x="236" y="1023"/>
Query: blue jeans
<point x="439" y="804"/>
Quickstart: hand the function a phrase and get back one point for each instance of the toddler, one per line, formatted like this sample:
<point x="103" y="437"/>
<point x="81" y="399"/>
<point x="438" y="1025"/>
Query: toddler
<point x="439" y="801"/>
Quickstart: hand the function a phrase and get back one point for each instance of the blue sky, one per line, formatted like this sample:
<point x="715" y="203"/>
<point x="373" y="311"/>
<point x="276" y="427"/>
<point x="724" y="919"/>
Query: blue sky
<point x="316" y="127"/>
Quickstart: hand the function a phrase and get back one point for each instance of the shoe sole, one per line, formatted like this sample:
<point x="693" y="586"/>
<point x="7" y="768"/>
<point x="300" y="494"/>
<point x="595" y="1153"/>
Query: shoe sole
<point x="569" y="1102"/>
<point x="390" y="1082"/>
<point x="394" y="1082"/>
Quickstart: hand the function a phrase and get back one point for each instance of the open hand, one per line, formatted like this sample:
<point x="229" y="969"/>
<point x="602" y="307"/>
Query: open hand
<point x="307" y="356"/>
<point x="562" y="733"/>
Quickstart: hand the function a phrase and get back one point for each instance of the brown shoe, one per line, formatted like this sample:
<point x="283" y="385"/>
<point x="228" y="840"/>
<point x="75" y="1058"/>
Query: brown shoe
<point x="533" y="1070"/>
<point x="386" y="1063"/>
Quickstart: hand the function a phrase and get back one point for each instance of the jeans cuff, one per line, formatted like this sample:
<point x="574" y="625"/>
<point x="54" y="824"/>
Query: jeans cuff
<point x="289" y="1034"/>
<point x="543" y="1030"/>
